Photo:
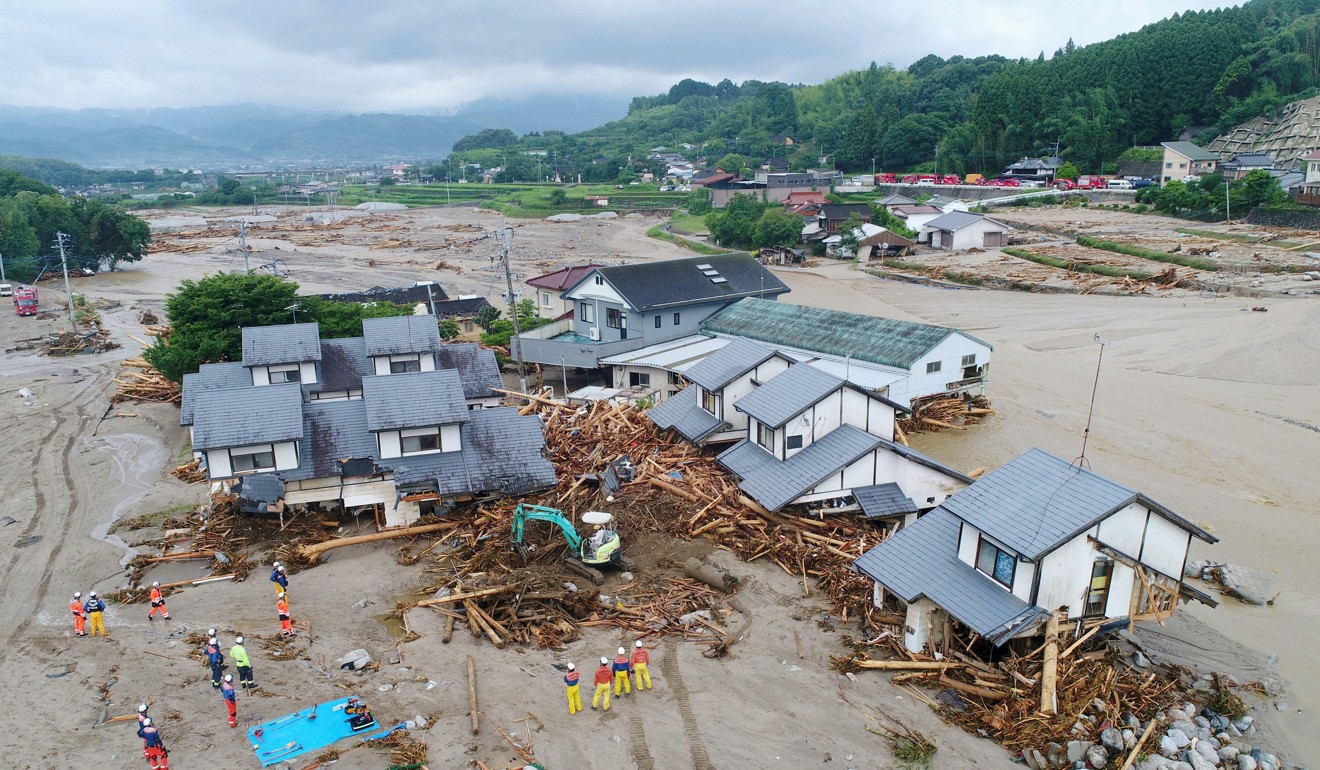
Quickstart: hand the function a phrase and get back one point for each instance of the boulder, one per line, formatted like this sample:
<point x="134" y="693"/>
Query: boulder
<point x="355" y="660"/>
<point x="1167" y="747"/>
<point x="1246" y="762"/>
<point x="1077" y="750"/>
<point x="1246" y="584"/>
<point x="1207" y="752"/>
<point x="1112" y="739"/>
<point x="1179" y="738"/>
<point x="1097" y="757"/>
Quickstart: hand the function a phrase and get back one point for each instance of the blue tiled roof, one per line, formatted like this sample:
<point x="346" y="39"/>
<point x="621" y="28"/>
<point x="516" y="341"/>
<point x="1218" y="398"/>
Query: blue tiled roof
<point x="399" y="335"/>
<point x="210" y="377"/>
<point x="788" y="394"/>
<point x="728" y="363"/>
<point x="776" y="484"/>
<point x="414" y="400"/>
<point x="682" y="413"/>
<point x="881" y="500"/>
<point x="244" y="416"/>
<point x="281" y="344"/>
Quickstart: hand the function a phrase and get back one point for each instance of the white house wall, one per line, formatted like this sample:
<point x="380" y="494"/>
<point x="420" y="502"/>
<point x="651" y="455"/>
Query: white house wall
<point x="260" y="376"/>
<point x="388" y="442"/>
<point x="949" y="353"/>
<point x="286" y="456"/>
<point x="1166" y="545"/>
<point x="1066" y="575"/>
<point x="307" y="372"/>
<point x="451" y="438"/>
<point x="926" y="486"/>
<point x="588" y="290"/>
<point x="217" y="462"/>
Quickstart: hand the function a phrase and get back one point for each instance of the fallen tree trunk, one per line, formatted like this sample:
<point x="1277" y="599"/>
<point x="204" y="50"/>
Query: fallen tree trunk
<point x="472" y="693"/>
<point x="312" y="552"/>
<point x="715" y="578"/>
<point x="907" y="665"/>
<point x="462" y="597"/>
<point x="971" y="689"/>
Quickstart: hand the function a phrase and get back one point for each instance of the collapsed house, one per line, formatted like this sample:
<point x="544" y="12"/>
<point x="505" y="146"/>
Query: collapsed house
<point x="393" y="421"/>
<point x="805" y="437"/>
<point x="1035" y="537"/>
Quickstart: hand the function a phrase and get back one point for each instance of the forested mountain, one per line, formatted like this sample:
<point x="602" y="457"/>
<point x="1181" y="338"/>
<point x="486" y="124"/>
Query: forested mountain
<point x="1203" y="68"/>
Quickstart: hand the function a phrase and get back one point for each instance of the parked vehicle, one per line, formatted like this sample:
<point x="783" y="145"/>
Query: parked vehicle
<point x="974" y="179"/>
<point x="1092" y="182"/>
<point x="25" y="300"/>
<point x="6" y="290"/>
<point x="1011" y="182"/>
<point x="910" y="179"/>
<point x="925" y="182"/>
<point x="1140" y="183"/>
<point x="949" y="179"/>
<point x="1065" y="184"/>
<point x="886" y="178"/>
<point x="1119" y="184"/>
<point x="1031" y="183"/>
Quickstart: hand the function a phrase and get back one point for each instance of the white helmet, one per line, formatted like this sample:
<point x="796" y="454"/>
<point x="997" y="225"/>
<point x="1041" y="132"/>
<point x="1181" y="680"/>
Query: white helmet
<point x="622" y="651"/>
<point x="155" y="584"/>
<point x="639" y="644"/>
<point x="276" y="565"/>
<point x="77" y="594"/>
<point x="238" y="640"/>
<point x="281" y="594"/>
<point x="280" y="568"/>
<point x="571" y="667"/>
<point x="212" y="641"/>
<point x="142" y="709"/>
<point x="93" y="594"/>
<point x="146" y="722"/>
<point x="229" y="677"/>
<point x="210" y="632"/>
<point x="604" y="661"/>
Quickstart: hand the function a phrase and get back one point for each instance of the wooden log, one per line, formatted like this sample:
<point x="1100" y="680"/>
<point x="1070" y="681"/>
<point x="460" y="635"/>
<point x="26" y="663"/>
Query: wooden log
<point x="475" y="615"/>
<point x="1136" y="749"/>
<point x="315" y="550"/>
<point x="715" y="578"/>
<point x="1049" y="676"/>
<point x="463" y="597"/>
<point x="472" y="693"/>
<point x="673" y="490"/>
<point x="971" y="689"/>
<point x="907" y="665"/>
<point x="449" y="629"/>
<point x="1078" y="643"/>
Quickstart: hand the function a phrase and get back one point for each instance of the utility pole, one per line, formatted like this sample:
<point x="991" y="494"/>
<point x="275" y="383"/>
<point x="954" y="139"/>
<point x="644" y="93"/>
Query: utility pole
<point x="64" y="263"/>
<point x="506" y="240"/>
<point x="2" y="268"/>
<point x="1228" y="211"/>
<point x="242" y="244"/>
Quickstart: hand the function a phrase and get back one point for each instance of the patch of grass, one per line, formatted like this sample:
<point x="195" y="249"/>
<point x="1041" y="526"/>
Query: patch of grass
<point x="688" y="224"/>
<point x="968" y="279"/>
<point x="1154" y="256"/>
<point x="1239" y="237"/>
<point x="696" y="246"/>
<point x="153" y="519"/>
<point x="899" y="264"/>
<point x="1077" y="267"/>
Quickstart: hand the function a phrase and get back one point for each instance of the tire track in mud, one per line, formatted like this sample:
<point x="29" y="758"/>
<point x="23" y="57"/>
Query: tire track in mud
<point x="641" y="752"/>
<point x="674" y="680"/>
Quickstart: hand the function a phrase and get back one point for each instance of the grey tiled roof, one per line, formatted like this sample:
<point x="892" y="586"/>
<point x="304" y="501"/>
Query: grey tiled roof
<point x="243" y="416"/>
<point x="414" y="400"/>
<point x="921" y="560"/>
<point x="333" y="431"/>
<point x="1039" y="501"/>
<point x="282" y="344"/>
<point x="476" y="367"/>
<point x="957" y="220"/>
<point x="886" y="341"/>
<point x="258" y="491"/>
<point x="677" y="282"/>
<point x="506" y="452"/>
<point x="746" y="458"/>
<point x="398" y="335"/>
<point x="728" y="363"/>
<point x="682" y="413"/>
<point x="210" y="377"/>
<point x="881" y="500"/>
<point x="788" y="394"/>
<point x="777" y="484"/>
<point x="344" y="363"/>
<point x="446" y="472"/>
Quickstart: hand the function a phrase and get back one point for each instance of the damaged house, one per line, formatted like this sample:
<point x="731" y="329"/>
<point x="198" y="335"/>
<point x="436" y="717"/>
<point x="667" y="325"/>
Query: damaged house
<point x="1035" y="537"/>
<point x="393" y="421"/>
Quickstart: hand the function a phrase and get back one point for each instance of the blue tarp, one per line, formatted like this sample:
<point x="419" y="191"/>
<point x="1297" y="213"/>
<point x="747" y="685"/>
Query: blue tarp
<point x="296" y="734"/>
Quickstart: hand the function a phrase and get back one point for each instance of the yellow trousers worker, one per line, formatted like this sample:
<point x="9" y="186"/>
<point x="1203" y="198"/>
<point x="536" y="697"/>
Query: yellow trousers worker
<point x="574" y="700"/>
<point x="621" y="680"/>
<point x="643" y="675"/>
<point x="601" y="690"/>
<point x="97" y="623"/>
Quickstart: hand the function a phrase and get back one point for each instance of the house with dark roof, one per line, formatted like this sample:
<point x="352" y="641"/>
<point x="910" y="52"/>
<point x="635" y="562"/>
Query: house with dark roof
<point x="901" y="360"/>
<point x="394" y="420"/>
<point x="621" y="308"/>
<point x="1243" y="163"/>
<point x="550" y="289"/>
<point x="1042" y="169"/>
<point x="960" y="230"/>
<point x="1039" y="536"/>
<point x="832" y="216"/>
<point x="1184" y="159"/>
<point x="703" y="412"/>
<point x="890" y="201"/>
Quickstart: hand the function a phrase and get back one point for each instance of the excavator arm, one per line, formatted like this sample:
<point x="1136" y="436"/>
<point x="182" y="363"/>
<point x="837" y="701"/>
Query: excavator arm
<point x="525" y="512"/>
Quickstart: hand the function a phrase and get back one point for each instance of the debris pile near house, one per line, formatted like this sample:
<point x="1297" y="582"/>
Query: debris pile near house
<point x="145" y="384"/>
<point x="939" y="411"/>
<point x="190" y="472"/>
<point x="67" y="343"/>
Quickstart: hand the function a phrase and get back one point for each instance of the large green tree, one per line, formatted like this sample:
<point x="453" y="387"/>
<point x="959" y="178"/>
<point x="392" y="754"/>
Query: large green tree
<point x="777" y="227"/>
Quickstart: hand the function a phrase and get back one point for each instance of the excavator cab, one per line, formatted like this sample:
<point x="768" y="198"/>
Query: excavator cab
<point x="602" y="548"/>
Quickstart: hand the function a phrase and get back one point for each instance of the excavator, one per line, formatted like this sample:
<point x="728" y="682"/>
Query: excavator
<point x="601" y="549"/>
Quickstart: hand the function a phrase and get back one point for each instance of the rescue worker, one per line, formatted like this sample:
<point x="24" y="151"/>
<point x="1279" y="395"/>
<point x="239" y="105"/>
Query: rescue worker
<point x="216" y="659"/>
<point x="153" y="748"/>
<point x="79" y="614"/>
<point x="603" y="677"/>
<point x="641" y="663"/>
<point x="280" y="579"/>
<point x="143" y="718"/>
<point x="157" y="602"/>
<point x="231" y="702"/>
<point x="286" y="624"/>
<point x="571" y="678"/>
<point x="94" y="607"/>
<point x="239" y="653"/>
<point x="622" y="672"/>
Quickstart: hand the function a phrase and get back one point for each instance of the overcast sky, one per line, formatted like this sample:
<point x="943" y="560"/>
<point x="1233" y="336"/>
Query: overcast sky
<point x="435" y="55"/>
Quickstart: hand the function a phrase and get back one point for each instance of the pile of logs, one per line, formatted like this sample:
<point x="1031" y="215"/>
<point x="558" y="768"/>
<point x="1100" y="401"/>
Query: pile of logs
<point x="144" y="384"/>
<point x="941" y="412"/>
<point x="190" y="472"/>
<point x="68" y="343"/>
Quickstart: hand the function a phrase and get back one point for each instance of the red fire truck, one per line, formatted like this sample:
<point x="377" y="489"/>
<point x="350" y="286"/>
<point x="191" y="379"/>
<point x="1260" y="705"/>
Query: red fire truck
<point x="25" y="300"/>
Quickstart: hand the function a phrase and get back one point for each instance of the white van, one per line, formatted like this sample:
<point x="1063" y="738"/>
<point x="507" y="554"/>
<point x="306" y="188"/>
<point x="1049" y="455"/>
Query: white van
<point x="6" y="290"/>
<point x="1119" y="184"/>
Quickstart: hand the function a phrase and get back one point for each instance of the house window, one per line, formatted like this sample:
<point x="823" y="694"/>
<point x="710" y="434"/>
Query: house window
<point x="600" y="281"/>
<point x="969" y="360"/>
<point x="793" y="442"/>
<point x="613" y="317"/>
<point x="281" y="374"/>
<point x="1169" y="164"/>
<point x="252" y="459"/>
<point x="1182" y="165"/>
<point x="709" y="401"/>
<point x="545" y="299"/>
<point x="932" y="367"/>
<point x="406" y="365"/>
<point x="657" y="320"/>
<point x="765" y="436"/>
<point x="1097" y="594"/>
<point x="996" y="562"/>
<point x="426" y="440"/>
<point x="639" y="380"/>
<point x="587" y="313"/>
<point x="675" y="378"/>
<point x="675" y="319"/>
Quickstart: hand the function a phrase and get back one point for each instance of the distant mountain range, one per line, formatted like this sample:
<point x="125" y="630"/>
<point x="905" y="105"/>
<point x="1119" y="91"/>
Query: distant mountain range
<point x="247" y="135"/>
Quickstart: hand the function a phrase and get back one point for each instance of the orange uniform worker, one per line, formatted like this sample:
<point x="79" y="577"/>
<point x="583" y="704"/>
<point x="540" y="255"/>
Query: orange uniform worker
<point x="157" y="603"/>
<point x="603" y="677"/>
<point x="79" y="614"/>
<point x="286" y="623"/>
<point x="622" y="671"/>
<point x="571" y="678"/>
<point x="641" y="663"/>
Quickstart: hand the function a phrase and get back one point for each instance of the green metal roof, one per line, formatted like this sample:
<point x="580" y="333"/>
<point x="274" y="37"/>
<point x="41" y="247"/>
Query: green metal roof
<point x="885" y="341"/>
<point x="1191" y="151"/>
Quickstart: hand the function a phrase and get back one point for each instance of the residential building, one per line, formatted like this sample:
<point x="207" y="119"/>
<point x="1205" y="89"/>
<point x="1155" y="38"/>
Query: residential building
<point x="804" y="198"/>
<point x="1309" y="190"/>
<point x="658" y="371"/>
<point x="1038" y="536"/>
<point x="464" y="312"/>
<point x="392" y="421"/>
<point x="1182" y="159"/>
<point x="1041" y="169"/>
<point x="964" y="230"/>
<point x="948" y="205"/>
<point x="549" y="289"/>
<point x="915" y="218"/>
<point x="890" y="201"/>
<point x="1243" y="163"/>
<point x="833" y="215"/>
<point x="622" y="308"/>
<point x="703" y="412"/>
<point x="901" y="360"/>
<point x="871" y="240"/>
